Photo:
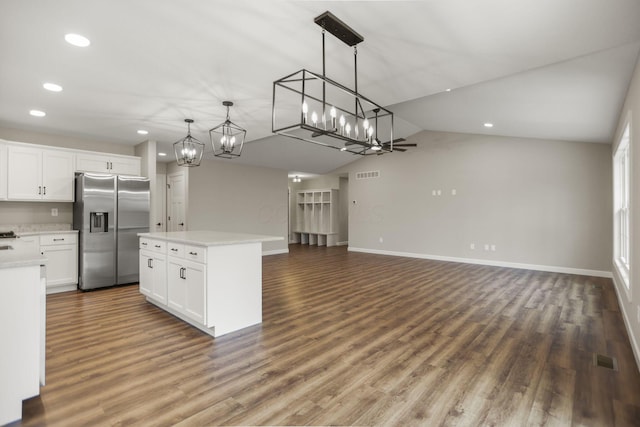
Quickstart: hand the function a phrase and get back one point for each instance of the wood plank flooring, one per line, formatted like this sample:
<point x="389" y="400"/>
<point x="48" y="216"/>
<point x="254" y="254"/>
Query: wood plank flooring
<point x="349" y="339"/>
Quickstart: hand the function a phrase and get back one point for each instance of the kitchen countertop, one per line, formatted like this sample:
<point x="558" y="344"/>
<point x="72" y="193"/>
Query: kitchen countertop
<point x="210" y="238"/>
<point x="38" y="233"/>
<point x="11" y="258"/>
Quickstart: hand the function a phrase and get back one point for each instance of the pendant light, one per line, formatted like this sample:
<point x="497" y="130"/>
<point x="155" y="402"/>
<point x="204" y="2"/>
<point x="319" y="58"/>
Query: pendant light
<point x="227" y="138"/>
<point x="188" y="150"/>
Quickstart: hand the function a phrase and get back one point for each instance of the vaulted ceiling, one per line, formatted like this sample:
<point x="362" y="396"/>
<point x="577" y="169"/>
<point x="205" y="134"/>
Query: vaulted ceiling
<point x="534" y="68"/>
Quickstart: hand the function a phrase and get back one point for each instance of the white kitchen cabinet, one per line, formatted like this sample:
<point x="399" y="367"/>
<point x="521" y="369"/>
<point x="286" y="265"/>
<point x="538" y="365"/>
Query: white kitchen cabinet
<point x="214" y="279"/>
<point x="22" y="329"/>
<point x="153" y="269"/>
<point x="61" y="251"/>
<point x="186" y="287"/>
<point x="3" y="171"/>
<point x="108" y="163"/>
<point x="153" y="275"/>
<point x="36" y="174"/>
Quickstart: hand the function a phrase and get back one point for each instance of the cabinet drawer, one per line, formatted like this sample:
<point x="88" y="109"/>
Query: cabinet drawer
<point x="175" y="249"/>
<point x="58" y="239"/>
<point x="195" y="253"/>
<point x="153" y="245"/>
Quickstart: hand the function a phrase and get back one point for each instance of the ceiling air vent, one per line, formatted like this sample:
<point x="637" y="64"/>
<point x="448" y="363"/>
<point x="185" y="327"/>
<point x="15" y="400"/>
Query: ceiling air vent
<point x="367" y="175"/>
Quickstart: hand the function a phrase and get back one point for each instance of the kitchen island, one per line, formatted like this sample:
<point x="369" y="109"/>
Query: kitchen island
<point x="210" y="279"/>
<point x="22" y="328"/>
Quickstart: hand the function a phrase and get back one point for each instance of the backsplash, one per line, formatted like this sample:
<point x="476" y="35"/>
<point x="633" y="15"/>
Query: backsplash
<point x="27" y="228"/>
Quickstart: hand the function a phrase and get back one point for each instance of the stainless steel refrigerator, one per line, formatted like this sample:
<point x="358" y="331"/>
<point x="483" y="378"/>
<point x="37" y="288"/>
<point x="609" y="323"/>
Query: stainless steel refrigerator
<point x="109" y="211"/>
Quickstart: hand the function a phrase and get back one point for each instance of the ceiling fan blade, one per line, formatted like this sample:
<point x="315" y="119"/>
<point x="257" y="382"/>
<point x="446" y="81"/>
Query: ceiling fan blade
<point x="404" y="145"/>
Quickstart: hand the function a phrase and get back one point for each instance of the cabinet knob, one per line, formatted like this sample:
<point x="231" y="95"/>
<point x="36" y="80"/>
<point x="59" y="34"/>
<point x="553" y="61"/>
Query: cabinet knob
<point x="174" y="249"/>
<point x="58" y="240"/>
<point x="181" y="224"/>
<point x="157" y="246"/>
<point x="159" y="224"/>
<point x="193" y="253"/>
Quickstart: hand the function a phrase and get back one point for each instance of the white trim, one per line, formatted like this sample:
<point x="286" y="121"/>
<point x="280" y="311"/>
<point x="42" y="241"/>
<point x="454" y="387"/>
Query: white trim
<point x="275" y="252"/>
<point x="627" y="321"/>
<point x="345" y="243"/>
<point x="549" y="268"/>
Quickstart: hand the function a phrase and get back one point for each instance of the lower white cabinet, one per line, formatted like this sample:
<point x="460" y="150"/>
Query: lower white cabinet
<point x="186" y="288"/>
<point x="213" y="278"/>
<point x="153" y="277"/>
<point x="61" y="251"/>
<point x="153" y="269"/>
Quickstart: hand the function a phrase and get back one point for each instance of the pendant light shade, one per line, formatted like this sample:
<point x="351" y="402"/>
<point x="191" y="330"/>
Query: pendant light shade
<point x="188" y="150"/>
<point x="227" y="138"/>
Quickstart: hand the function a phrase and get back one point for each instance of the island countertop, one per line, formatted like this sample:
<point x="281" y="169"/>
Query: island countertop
<point x="210" y="238"/>
<point x="12" y="258"/>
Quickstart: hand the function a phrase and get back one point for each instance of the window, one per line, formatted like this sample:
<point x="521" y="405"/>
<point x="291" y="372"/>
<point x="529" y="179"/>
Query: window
<point x="622" y="181"/>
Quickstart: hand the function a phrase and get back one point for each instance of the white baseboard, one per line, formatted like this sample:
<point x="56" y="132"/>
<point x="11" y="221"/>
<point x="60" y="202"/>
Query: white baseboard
<point x="275" y="252"/>
<point x="621" y="294"/>
<point x="345" y="243"/>
<point x="549" y="268"/>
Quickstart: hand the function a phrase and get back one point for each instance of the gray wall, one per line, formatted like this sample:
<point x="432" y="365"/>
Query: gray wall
<point x="541" y="203"/>
<point x="630" y="300"/>
<point x="227" y="196"/>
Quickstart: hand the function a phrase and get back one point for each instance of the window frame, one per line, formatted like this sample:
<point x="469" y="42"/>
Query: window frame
<point x="621" y="208"/>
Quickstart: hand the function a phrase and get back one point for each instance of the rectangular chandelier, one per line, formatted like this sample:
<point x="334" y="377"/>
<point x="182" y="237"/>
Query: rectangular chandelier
<point x="312" y="107"/>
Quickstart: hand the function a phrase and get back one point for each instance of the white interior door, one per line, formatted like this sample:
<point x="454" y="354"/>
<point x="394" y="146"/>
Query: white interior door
<point x="176" y="202"/>
<point x="159" y="222"/>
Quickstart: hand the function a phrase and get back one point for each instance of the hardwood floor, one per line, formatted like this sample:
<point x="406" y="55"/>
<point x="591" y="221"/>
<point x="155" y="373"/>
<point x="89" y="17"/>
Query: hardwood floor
<point x="349" y="339"/>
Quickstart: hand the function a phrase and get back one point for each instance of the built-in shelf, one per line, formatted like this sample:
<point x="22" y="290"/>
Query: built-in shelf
<point x="316" y="217"/>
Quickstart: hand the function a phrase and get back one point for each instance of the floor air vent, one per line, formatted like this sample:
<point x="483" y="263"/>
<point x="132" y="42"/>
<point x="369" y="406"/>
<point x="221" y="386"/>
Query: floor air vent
<point x="605" y="361"/>
<point x="367" y="175"/>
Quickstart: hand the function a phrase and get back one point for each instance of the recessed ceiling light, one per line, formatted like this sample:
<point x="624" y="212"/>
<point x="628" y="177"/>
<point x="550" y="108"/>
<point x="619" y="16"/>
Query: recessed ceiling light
<point x="448" y="90"/>
<point x="77" y="40"/>
<point x="37" y="113"/>
<point x="52" y="87"/>
<point x="143" y="132"/>
<point x="488" y="125"/>
<point x="162" y="154"/>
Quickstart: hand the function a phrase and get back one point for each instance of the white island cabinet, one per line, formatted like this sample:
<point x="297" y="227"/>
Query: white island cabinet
<point x="22" y="329"/>
<point x="210" y="279"/>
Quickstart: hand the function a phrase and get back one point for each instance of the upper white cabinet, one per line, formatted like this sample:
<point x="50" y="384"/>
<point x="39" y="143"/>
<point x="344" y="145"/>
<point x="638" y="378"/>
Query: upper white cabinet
<point x="3" y="171"/>
<point x="36" y="174"/>
<point x="108" y="163"/>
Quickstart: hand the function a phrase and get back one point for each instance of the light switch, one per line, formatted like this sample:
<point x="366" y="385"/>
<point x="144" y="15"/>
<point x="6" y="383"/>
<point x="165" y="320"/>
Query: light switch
<point x="453" y="192"/>
<point x="54" y="211"/>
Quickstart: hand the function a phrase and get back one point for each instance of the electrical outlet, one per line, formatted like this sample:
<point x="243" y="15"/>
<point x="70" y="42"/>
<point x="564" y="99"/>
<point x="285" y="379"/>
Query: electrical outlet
<point x="493" y="248"/>
<point x="54" y="211"/>
<point x="381" y="239"/>
<point x="472" y="246"/>
<point x="486" y="247"/>
<point x="439" y="192"/>
<point x="454" y="192"/>
<point x="433" y="192"/>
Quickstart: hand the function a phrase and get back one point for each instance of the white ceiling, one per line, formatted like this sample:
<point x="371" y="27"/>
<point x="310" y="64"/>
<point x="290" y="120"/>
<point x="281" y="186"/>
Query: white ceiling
<point x="535" y="68"/>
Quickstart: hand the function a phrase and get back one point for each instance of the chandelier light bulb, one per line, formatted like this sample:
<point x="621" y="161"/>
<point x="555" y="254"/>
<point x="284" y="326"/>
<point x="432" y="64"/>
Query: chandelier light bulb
<point x="333" y="113"/>
<point x="347" y="128"/>
<point x="305" y="110"/>
<point x="365" y="126"/>
<point x="314" y="118"/>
